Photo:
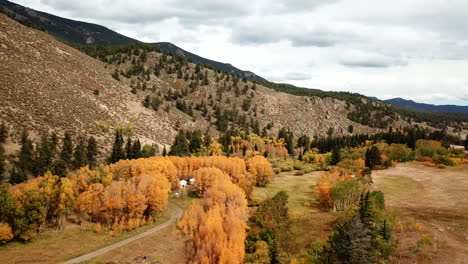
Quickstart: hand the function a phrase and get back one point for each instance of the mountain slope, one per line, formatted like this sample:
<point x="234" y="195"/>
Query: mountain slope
<point x="409" y="104"/>
<point x="66" y="30"/>
<point x="226" y="67"/>
<point x="82" y="33"/>
<point x="48" y="86"/>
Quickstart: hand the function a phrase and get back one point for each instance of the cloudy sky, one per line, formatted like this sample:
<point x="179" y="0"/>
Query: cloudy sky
<point x="415" y="49"/>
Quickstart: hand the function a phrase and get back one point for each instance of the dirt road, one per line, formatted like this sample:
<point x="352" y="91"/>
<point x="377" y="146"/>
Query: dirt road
<point x="177" y="214"/>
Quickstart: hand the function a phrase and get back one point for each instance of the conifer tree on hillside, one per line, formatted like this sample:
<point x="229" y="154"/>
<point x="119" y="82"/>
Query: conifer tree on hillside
<point x="136" y="149"/>
<point x="195" y="139"/>
<point x="336" y="156"/>
<point x="164" y="152"/>
<point x="91" y="152"/>
<point x="205" y="79"/>
<point x="2" y="163"/>
<point x="67" y="149"/>
<point x="373" y="157"/>
<point x="117" y="149"/>
<point x="3" y="133"/>
<point x="180" y="146"/>
<point x="304" y="143"/>
<point x="53" y="144"/>
<point x="129" y="149"/>
<point x="17" y="175"/>
<point x="26" y="155"/>
<point x="79" y="155"/>
<point x="43" y="157"/>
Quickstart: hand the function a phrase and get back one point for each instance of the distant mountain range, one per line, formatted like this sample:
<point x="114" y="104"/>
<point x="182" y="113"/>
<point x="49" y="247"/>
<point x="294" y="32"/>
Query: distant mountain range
<point x="412" y="105"/>
<point x="81" y="33"/>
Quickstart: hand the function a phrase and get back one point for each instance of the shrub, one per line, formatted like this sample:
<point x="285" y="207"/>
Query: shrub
<point x="6" y="234"/>
<point x="428" y="148"/>
<point x="399" y="152"/>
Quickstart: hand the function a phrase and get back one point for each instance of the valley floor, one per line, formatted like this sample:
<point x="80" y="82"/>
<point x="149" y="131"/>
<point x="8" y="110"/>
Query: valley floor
<point x="72" y="241"/>
<point x="429" y="202"/>
<point x="426" y="201"/>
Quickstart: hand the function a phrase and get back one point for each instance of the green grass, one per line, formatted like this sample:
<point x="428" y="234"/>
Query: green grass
<point x="285" y="165"/>
<point x="309" y="221"/>
<point x="299" y="188"/>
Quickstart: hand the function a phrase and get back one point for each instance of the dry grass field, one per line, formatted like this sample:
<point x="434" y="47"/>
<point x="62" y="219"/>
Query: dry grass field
<point x="53" y="246"/>
<point x="431" y="205"/>
<point x="164" y="246"/>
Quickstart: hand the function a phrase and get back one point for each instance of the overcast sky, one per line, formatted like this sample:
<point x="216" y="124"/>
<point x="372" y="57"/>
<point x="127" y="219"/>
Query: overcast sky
<point x="415" y="49"/>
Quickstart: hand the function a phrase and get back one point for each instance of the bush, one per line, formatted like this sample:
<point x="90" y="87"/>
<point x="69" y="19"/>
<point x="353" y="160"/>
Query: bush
<point x="428" y="148"/>
<point x="6" y="234"/>
<point x="400" y="152"/>
<point x="444" y="160"/>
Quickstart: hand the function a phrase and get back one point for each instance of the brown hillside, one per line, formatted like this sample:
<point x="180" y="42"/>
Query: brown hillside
<point x="47" y="85"/>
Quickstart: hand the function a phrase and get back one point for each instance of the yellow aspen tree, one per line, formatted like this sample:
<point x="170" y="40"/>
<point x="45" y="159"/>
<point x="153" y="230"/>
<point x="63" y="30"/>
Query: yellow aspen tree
<point x="261" y="170"/>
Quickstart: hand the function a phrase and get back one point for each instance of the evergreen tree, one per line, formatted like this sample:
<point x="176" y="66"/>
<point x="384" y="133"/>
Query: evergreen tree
<point x="195" y="139"/>
<point x="205" y="80"/>
<point x="79" y="155"/>
<point x="264" y="132"/>
<point x="373" y="157"/>
<point x="117" y="149"/>
<point x="207" y="138"/>
<point x="365" y="210"/>
<point x="350" y="243"/>
<point x="2" y="163"/>
<point x="44" y="157"/>
<point x="17" y="175"/>
<point x="91" y="152"/>
<point x="465" y="143"/>
<point x="164" y="152"/>
<point x="180" y="145"/>
<point x="336" y="156"/>
<point x="136" y="149"/>
<point x="60" y="168"/>
<point x="26" y="155"/>
<point x="303" y="142"/>
<point x="3" y="133"/>
<point x="67" y="149"/>
<point x="147" y="101"/>
<point x="129" y="149"/>
<point x="53" y="144"/>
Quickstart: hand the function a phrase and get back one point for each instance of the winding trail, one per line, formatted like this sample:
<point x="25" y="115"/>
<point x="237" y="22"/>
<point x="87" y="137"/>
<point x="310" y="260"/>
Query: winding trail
<point x="176" y="215"/>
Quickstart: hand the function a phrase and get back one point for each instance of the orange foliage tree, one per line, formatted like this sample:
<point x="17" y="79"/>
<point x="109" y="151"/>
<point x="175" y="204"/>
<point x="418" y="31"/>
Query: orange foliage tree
<point x="138" y="192"/>
<point x="216" y="224"/>
<point x="326" y="184"/>
<point x="205" y="178"/>
<point x="6" y="233"/>
<point x="260" y="169"/>
<point x="234" y="167"/>
<point x="130" y="192"/>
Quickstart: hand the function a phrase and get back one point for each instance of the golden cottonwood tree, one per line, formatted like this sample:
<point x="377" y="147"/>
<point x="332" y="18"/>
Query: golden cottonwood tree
<point x="260" y="169"/>
<point x="205" y="178"/>
<point x="216" y="224"/>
